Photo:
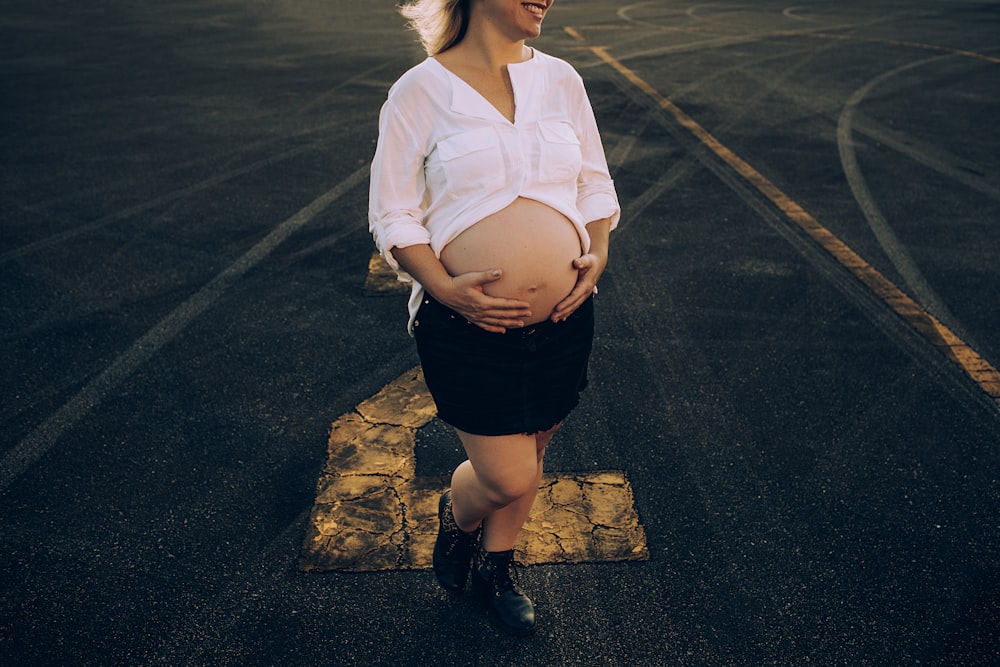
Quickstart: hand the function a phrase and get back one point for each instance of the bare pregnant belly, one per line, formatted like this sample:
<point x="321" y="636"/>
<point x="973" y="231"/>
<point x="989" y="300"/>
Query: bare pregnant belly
<point x="533" y="244"/>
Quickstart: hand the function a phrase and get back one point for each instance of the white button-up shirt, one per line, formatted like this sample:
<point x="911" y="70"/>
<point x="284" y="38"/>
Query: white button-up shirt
<point x="446" y="158"/>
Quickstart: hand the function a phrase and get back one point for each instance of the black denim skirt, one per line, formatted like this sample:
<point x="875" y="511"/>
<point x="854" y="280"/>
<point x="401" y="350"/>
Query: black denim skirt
<point x="523" y="381"/>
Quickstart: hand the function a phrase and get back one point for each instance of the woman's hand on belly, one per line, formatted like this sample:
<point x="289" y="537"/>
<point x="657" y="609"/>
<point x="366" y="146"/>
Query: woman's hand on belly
<point x="589" y="268"/>
<point x="492" y="313"/>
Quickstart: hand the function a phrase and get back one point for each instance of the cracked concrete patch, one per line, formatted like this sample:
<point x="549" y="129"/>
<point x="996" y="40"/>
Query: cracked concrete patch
<point x="583" y="517"/>
<point x="372" y="513"/>
<point x="382" y="279"/>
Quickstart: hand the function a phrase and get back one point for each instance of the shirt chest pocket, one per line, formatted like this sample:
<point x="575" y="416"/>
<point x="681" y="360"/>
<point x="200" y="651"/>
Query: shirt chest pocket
<point x="471" y="162"/>
<point x="559" y="152"/>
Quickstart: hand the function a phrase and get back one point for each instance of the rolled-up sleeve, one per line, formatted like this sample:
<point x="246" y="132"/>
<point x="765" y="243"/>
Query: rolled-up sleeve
<point x="596" y="195"/>
<point x="396" y="190"/>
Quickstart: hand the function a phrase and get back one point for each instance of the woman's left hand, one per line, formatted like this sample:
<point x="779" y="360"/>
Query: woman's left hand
<point x="589" y="268"/>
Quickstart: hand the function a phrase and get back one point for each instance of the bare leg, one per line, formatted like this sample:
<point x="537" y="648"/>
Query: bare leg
<point x="499" y="481"/>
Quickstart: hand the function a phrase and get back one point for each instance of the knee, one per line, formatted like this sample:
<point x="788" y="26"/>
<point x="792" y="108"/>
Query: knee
<point x="502" y="490"/>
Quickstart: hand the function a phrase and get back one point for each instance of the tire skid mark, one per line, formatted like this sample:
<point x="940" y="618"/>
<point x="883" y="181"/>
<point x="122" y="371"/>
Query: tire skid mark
<point x="909" y="44"/>
<point x="894" y="249"/>
<point x="46" y="435"/>
<point x="322" y="130"/>
<point x="933" y="330"/>
<point x="167" y="198"/>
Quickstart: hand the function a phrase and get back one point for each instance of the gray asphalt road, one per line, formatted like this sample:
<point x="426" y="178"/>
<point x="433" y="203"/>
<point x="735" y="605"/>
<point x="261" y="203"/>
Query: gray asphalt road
<point x="182" y="257"/>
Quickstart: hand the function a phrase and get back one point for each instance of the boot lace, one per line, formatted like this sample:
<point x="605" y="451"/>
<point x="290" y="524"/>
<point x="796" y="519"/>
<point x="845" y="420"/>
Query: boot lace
<point x="503" y="572"/>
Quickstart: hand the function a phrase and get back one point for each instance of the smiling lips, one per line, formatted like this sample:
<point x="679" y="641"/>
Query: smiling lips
<point x="537" y="10"/>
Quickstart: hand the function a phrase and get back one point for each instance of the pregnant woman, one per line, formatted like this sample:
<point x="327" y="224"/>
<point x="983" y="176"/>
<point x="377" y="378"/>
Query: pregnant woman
<point x="490" y="191"/>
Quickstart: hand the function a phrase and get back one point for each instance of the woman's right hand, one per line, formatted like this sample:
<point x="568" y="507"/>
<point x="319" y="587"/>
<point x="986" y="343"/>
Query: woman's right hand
<point x="463" y="293"/>
<point x="495" y="314"/>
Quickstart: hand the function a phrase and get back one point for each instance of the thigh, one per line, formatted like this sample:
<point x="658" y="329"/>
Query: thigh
<point x="501" y="460"/>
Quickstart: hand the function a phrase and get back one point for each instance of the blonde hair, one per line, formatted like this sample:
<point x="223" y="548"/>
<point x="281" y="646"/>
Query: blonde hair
<point x="441" y="24"/>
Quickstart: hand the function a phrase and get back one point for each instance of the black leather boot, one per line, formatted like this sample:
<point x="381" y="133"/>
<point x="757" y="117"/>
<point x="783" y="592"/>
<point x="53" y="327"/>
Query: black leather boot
<point x="492" y="583"/>
<point x="453" y="549"/>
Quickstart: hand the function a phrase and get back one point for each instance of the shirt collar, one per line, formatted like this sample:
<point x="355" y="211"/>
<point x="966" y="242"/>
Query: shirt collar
<point x="466" y="100"/>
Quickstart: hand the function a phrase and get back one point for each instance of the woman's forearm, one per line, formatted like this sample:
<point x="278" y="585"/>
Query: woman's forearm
<point x="600" y="233"/>
<point x="420" y="262"/>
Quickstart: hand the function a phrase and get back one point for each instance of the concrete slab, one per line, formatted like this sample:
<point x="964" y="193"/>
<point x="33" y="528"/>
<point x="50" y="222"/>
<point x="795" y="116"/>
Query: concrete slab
<point x="372" y="513"/>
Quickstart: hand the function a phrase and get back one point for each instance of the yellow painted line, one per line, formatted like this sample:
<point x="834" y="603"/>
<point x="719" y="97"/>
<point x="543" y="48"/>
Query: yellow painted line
<point x="372" y="512"/>
<point x="572" y="32"/>
<point x="977" y="368"/>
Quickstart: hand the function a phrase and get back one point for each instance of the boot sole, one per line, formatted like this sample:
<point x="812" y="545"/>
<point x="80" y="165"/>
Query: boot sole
<point x="483" y="602"/>
<point x="495" y="621"/>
